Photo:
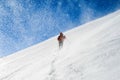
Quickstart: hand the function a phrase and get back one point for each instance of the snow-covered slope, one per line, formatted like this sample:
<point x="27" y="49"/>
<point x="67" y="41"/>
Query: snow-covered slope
<point x="90" y="52"/>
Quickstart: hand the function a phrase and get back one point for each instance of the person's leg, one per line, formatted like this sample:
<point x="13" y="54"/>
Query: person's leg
<point x="60" y="44"/>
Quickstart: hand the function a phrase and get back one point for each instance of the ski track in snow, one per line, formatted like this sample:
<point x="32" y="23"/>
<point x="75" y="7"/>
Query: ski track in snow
<point x="52" y="74"/>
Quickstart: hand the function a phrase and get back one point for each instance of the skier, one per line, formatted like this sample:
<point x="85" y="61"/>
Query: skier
<point x="61" y="38"/>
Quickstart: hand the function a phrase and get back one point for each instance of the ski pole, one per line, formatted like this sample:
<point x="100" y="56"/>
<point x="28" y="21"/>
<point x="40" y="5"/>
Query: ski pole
<point x="68" y="40"/>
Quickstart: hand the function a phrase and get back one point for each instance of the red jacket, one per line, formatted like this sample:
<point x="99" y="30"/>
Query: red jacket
<point x="61" y="38"/>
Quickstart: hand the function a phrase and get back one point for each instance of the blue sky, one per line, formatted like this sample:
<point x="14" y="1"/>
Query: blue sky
<point x="24" y="23"/>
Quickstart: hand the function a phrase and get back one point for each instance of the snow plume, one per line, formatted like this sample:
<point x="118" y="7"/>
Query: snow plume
<point x="23" y="25"/>
<point x="27" y="22"/>
<point x="87" y="14"/>
<point x="13" y="21"/>
<point x="12" y="27"/>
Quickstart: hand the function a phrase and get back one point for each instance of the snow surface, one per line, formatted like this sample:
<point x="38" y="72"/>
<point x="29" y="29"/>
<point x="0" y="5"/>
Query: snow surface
<point x="90" y="52"/>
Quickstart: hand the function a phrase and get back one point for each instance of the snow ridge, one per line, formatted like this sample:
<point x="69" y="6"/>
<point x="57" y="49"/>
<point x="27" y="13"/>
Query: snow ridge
<point x="90" y="52"/>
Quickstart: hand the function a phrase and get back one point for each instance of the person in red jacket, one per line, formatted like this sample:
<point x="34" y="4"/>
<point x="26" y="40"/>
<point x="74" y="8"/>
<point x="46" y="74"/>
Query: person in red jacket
<point x="61" y="38"/>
